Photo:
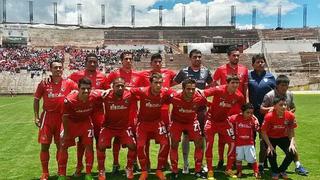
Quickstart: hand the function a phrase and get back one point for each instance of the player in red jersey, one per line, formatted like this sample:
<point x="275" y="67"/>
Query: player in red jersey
<point x="150" y="124"/>
<point x="168" y="76"/>
<point x="117" y="125"/>
<point x="49" y="122"/>
<point x="278" y="130"/>
<point x="224" y="98"/>
<point x="77" y="112"/>
<point x="220" y="75"/>
<point x="91" y="72"/>
<point x="184" y="119"/>
<point x="132" y="79"/>
<point x="245" y="124"/>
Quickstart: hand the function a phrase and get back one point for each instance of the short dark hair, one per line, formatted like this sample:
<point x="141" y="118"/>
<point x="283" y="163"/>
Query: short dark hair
<point x="125" y="53"/>
<point x="53" y="61"/>
<point x="258" y="56"/>
<point x="91" y="55"/>
<point x="246" y="107"/>
<point x="194" y="51"/>
<point x="156" y="56"/>
<point x="282" y="79"/>
<point x="155" y="76"/>
<point x="276" y="100"/>
<point x="84" y="80"/>
<point x="231" y="49"/>
<point x="188" y="81"/>
<point x="232" y="77"/>
<point x="117" y="79"/>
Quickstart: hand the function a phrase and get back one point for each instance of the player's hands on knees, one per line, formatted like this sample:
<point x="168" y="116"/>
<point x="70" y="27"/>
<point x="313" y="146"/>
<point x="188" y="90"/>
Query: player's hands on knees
<point x="37" y="122"/>
<point x="270" y="150"/>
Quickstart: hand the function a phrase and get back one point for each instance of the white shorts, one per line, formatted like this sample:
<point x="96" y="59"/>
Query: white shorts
<point x="247" y="153"/>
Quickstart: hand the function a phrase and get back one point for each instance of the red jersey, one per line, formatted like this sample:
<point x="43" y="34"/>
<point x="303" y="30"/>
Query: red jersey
<point x="117" y="110"/>
<point x="222" y="102"/>
<point x="150" y="105"/>
<point x="96" y="78"/>
<point x="276" y="127"/>
<point x="131" y="78"/>
<point x="244" y="129"/>
<point x="53" y="94"/>
<point x="77" y="110"/>
<point x="167" y="76"/>
<point x="223" y="71"/>
<point x="183" y="111"/>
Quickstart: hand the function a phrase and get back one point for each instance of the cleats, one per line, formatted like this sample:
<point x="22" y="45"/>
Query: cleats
<point x="301" y="171"/>
<point x="275" y="176"/>
<point x="44" y="176"/>
<point x="144" y="175"/>
<point x="257" y="175"/>
<point x="230" y="173"/>
<point x="102" y="175"/>
<point x="284" y="175"/>
<point x="210" y="175"/>
<point x="200" y="175"/>
<point x="129" y="173"/>
<point x="160" y="175"/>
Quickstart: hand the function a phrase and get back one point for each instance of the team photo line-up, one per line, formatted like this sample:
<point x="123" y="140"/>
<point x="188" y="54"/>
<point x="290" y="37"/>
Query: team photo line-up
<point x="128" y="108"/>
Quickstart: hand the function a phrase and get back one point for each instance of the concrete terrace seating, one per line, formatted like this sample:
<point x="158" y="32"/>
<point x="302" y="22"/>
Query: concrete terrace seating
<point x="295" y="33"/>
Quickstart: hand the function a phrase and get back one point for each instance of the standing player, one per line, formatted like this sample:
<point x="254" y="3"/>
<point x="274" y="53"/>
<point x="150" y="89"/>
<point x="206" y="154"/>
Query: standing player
<point x="224" y="98"/>
<point x="203" y="78"/>
<point x="77" y="112"/>
<point x="245" y="125"/>
<point x="260" y="83"/>
<point x="49" y="122"/>
<point x="278" y="130"/>
<point x="281" y="90"/>
<point x="91" y="72"/>
<point x="131" y="79"/>
<point x="116" y="125"/>
<point x="150" y="124"/>
<point x="167" y="75"/>
<point x="184" y="119"/>
<point x="220" y="75"/>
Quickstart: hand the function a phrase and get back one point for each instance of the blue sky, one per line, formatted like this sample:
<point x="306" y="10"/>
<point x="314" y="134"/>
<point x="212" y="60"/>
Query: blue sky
<point x="118" y="12"/>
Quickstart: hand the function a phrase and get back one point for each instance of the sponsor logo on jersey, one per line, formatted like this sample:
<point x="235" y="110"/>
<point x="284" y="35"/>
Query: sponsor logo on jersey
<point x="117" y="107"/>
<point x="151" y="105"/>
<point x="182" y="110"/>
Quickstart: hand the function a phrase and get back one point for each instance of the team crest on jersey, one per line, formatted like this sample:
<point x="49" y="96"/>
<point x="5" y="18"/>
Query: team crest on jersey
<point x="65" y="101"/>
<point x="126" y="101"/>
<point x="63" y="89"/>
<point x="98" y="83"/>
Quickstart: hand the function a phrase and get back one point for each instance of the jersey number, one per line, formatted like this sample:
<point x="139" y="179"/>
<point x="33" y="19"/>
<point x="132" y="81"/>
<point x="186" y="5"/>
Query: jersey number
<point x="90" y="133"/>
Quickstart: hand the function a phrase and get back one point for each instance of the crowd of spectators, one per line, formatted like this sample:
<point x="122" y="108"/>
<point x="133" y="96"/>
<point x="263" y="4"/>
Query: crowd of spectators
<point x="36" y="60"/>
<point x="15" y="59"/>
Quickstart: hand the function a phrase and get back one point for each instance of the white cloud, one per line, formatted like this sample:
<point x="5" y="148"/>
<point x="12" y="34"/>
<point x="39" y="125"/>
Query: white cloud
<point x="118" y="12"/>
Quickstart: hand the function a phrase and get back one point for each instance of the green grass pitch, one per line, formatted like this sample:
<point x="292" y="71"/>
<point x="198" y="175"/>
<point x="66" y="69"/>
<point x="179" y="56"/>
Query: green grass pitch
<point x="19" y="150"/>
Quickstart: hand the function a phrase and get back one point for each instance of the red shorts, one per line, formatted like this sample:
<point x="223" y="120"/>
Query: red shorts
<point x="50" y="127"/>
<point x="224" y="129"/>
<point x="151" y="130"/>
<point x="165" y="114"/>
<point x="193" y="130"/>
<point x="83" y="130"/>
<point x="97" y="119"/>
<point x="106" y="134"/>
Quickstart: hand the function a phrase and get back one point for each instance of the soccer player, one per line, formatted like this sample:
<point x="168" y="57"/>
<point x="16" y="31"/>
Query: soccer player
<point x="281" y="90"/>
<point x="245" y="125"/>
<point x="203" y="78"/>
<point x="220" y="75"/>
<point x="150" y="124"/>
<point x="77" y="112"/>
<point x="131" y="79"/>
<point x="183" y="116"/>
<point x="116" y="125"/>
<point x="260" y="83"/>
<point x="91" y="72"/>
<point x="224" y="98"/>
<point x="49" y="122"/>
<point x="167" y="75"/>
<point x="278" y="130"/>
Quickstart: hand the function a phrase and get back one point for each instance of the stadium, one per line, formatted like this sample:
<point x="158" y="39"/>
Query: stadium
<point x="27" y="48"/>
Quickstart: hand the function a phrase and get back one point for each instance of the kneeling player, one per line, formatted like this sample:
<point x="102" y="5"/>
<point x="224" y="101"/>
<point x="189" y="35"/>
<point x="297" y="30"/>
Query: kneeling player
<point x="116" y="125"/>
<point x="245" y="124"/>
<point x="184" y="119"/>
<point x="77" y="110"/>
